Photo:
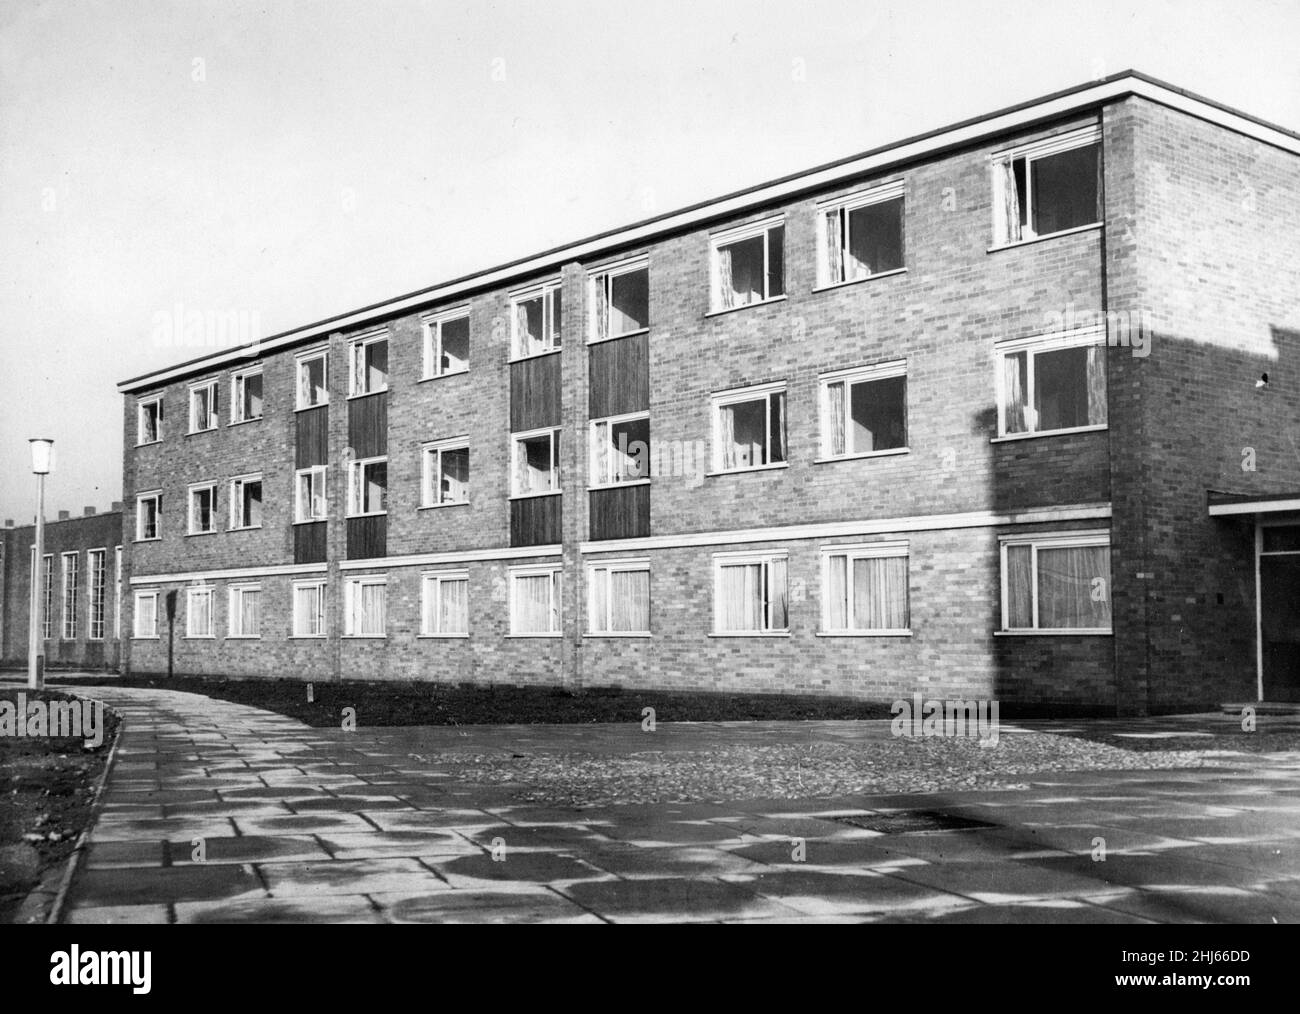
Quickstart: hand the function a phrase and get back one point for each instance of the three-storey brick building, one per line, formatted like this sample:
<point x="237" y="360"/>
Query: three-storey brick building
<point x="977" y="414"/>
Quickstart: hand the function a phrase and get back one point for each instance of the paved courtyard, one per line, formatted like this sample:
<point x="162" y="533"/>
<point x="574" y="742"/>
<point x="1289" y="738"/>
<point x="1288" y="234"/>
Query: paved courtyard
<point x="218" y="812"/>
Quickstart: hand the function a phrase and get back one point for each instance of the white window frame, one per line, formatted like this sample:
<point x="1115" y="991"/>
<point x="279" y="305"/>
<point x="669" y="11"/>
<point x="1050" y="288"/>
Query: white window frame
<point x="603" y="276"/>
<point x="96" y="593"/>
<point x="1082" y="138"/>
<point x="235" y="593"/>
<point x="135" y="616"/>
<point x="736" y="235"/>
<point x="156" y="400"/>
<point x="350" y="585"/>
<point x="209" y="388"/>
<point x="862" y="551"/>
<point x="236" y="488"/>
<point x="300" y="363"/>
<point x="721" y="560"/>
<point x="237" y="381"/>
<point x="882" y="194"/>
<point x="317" y="474"/>
<point x="606" y="481"/>
<point x="365" y="341"/>
<point x="432" y="581"/>
<point x="431" y="471"/>
<point x="1047" y="540"/>
<point x="47" y="614"/>
<point x="117" y="592"/>
<point x="738" y="396"/>
<point x="850" y="377"/>
<point x="1032" y="346"/>
<point x="516" y="440"/>
<point x="555" y="572"/>
<point x="554" y="336"/>
<point x="623" y="566"/>
<point x="70" y="569"/>
<point x="140" y="499"/>
<point x="321" y="614"/>
<point x="432" y="325"/>
<point x="190" y="595"/>
<point x="359" y="464"/>
<point x="191" y="528"/>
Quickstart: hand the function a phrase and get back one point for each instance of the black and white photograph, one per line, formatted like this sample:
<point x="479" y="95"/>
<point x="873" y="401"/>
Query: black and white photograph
<point x="741" y="463"/>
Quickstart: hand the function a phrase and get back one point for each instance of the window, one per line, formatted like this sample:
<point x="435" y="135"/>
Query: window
<point x="71" y="563"/>
<point x="864" y="411"/>
<point x="444" y="604"/>
<point x="309" y="609"/>
<point x="1047" y="187"/>
<point x="368" y="358"/>
<point x="203" y="406"/>
<point x="620" y="300"/>
<point x="1059" y="583"/>
<point x="537" y="320"/>
<point x="749" y="428"/>
<point x="245" y="610"/>
<point x="246" y="502"/>
<point x="117" y="591"/>
<point x="536" y="467"/>
<point x="618" y="597"/>
<point x="748" y="264"/>
<point x="749" y="594"/>
<point x="96" y="562"/>
<point x="1053" y="384"/>
<point x="47" y="617"/>
<point x="203" y="508"/>
<point x="148" y="516"/>
<point x="367" y="486"/>
<point x="364" y="603"/>
<point x="198" y="612"/>
<point x="310" y="502"/>
<point x="864" y="589"/>
<point x="246" y="395"/>
<point x="313" y="379"/>
<point x="446" y="472"/>
<point x="860" y="236"/>
<point x="620" y="449"/>
<point x="149" y="421"/>
<point x="535" y="601"/>
<point x="145" y="614"/>
<point x="446" y="343"/>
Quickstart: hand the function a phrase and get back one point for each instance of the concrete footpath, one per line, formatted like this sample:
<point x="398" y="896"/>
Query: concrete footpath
<point x="217" y="812"/>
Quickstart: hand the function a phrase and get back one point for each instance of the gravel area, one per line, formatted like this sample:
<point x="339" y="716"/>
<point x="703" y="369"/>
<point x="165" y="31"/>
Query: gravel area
<point x="732" y="772"/>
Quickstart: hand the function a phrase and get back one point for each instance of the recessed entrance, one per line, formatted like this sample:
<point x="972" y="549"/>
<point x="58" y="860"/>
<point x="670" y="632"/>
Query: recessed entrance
<point x="1279" y="612"/>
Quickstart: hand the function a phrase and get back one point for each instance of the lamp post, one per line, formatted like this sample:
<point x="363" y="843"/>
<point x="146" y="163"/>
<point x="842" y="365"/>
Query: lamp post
<point x="42" y="464"/>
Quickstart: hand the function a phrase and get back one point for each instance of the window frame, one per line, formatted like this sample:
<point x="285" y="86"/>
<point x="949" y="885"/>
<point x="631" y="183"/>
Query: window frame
<point x="436" y="579"/>
<point x="431" y="474"/>
<point x="96" y="592"/>
<point x="604" y="275"/>
<point x="300" y="360"/>
<point x="516" y="439"/>
<point x="316" y="473"/>
<point x="140" y="498"/>
<point x="750" y="558"/>
<point x="1071" y="140"/>
<point x="1048" y="540"/>
<point x="604" y="482"/>
<point x="849" y="377"/>
<point x="234" y="596"/>
<point x="432" y="325"/>
<point x="1033" y="346"/>
<point x="880" y="194"/>
<point x="739" y="396"/>
<point x="321" y="610"/>
<point x="198" y="487"/>
<point x="360" y="464"/>
<point x="364" y="341"/>
<point x="141" y="405"/>
<point x="191" y="594"/>
<point x="738" y="234"/>
<point x="135" y="616"/>
<point x="621" y="566"/>
<point x="546" y="290"/>
<point x="238" y="380"/>
<point x="235" y="486"/>
<point x="212" y="387"/>
<point x="350" y="584"/>
<point x="47" y="613"/>
<point x="556" y="573"/>
<point x="70" y="587"/>
<point x="862" y="551"/>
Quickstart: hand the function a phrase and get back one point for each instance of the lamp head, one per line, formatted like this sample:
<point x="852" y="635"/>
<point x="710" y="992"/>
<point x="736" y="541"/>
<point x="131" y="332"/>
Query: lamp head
<point x="42" y="456"/>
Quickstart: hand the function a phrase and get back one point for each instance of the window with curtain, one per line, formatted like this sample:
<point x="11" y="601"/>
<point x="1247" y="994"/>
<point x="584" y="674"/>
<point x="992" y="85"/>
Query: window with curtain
<point x="367" y="486"/>
<point x="1053" y="385"/>
<point x="620" y="449"/>
<point x="1049" y="186"/>
<point x="365" y="603"/>
<point x="309" y="609"/>
<point x="536" y="463"/>
<point x="203" y="509"/>
<point x="537" y="320"/>
<point x="312" y="389"/>
<point x="145" y="615"/>
<point x="749" y="429"/>
<point x="1057" y="583"/>
<point x="203" y="407"/>
<point x="861" y="236"/>
<point x="148" y="516"/>
<point x="750" y="594"/>
<point x="619" y="597"/>
<point x="310" y="502"/>
<point x="245" y="611"/>
<point x="748" y="265"/>
<point x="198" y="612"/>
<point x="369" y="366"/>
<point x="246" y="502"/>
<point x="864" y="411"/>
<point x="535" y="602"/>
<point x="444" y="605"/>
<point x="620" y="301"/>
<point x="446" y="344"/>
<point x="246" y="403"/>
<point x="446" y="473"/>
<point x="866" y="589"/>
<point x="149" y="430"/>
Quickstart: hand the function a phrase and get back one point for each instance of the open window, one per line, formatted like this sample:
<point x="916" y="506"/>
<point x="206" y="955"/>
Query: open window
<point x="1052" y="384"/>
<point x="367" y="486"/>
<point x="203" y="508"/>
<point x="313" y="382"/>
<point x="860" y="236"/>
<point x="149" y="421"/>
<point x="203" y="406"/>
<point x="537" y="319"/>
<point x="148" y="516"/>
<point x="1047" y="187"/>
<point x="446" y="343"/>
<point x="620" y="300"/>
<point x="246" y="502"/>
<point x="310" y="498"/>
<point x="749" y="428"/>
<point x="620" y="449"/>
<point x="246" y="395"/>
<point x="748" y="264"/>
<point x="864" y="411"/>
<point x="446" y="473"/>
<point x="536" y="467"/>
<point x="368" y="362"/>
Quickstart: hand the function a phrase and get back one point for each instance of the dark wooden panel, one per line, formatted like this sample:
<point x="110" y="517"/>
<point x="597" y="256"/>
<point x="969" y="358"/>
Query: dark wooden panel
<point x="535" y="393"/>
<point x="368" y="425"/>
<point x="312" y="440"/>
<point x="618" y="377"/>
<point x="535" y="521"/>
<point x="622" y="512"/>
<point x="309" y="543"/>
<point x="367" y="537"/>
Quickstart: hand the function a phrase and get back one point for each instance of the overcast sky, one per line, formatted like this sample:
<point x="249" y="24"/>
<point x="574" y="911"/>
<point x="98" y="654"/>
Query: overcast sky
<point x="284" y="161"/>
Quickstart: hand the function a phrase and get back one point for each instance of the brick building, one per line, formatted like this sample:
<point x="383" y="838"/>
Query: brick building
<point x="981" y="414"/>
<point x="83" y="595"/>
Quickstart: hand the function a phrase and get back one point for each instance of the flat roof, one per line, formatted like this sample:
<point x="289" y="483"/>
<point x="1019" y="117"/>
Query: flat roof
<point x="1072" y="101"/>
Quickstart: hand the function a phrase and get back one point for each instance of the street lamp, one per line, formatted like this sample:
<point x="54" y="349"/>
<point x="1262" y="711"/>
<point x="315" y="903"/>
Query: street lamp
<point x="42" y="465"/>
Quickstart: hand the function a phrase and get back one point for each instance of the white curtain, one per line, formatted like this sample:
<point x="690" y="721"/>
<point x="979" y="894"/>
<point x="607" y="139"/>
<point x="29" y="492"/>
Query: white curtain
<point x="533" y="609"/>
<point x="727" y="435"/>
<point x="1096" y="384"/>
<point x="304" y="384"/>
<point x="629" y="592"/>
<point x="250" y="613"/>
<point x="307" y="611"/>
<point x="1020" y="609"/>
<point x="835" y="246"/>
<point x="602" y="306"/>
<point x="358" y="369"/>
<point x="778" y="607"/>
<point x="1074" y="587"/>
<point x="368" y="608"/>
<point x="1013" y="392"/>
<point x="200" y="614"/>
<point x="741" y="605"/>
<point x="837" y="601"/>
<point x="835" y="418"/>
<point x="453" y="606"/>
<point x="598" y="614"/>
<point x="726" y="292"/>
<point x="880" y="593"/>
<point x="1010" y="215"/>
<point x="600" y="453"/>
